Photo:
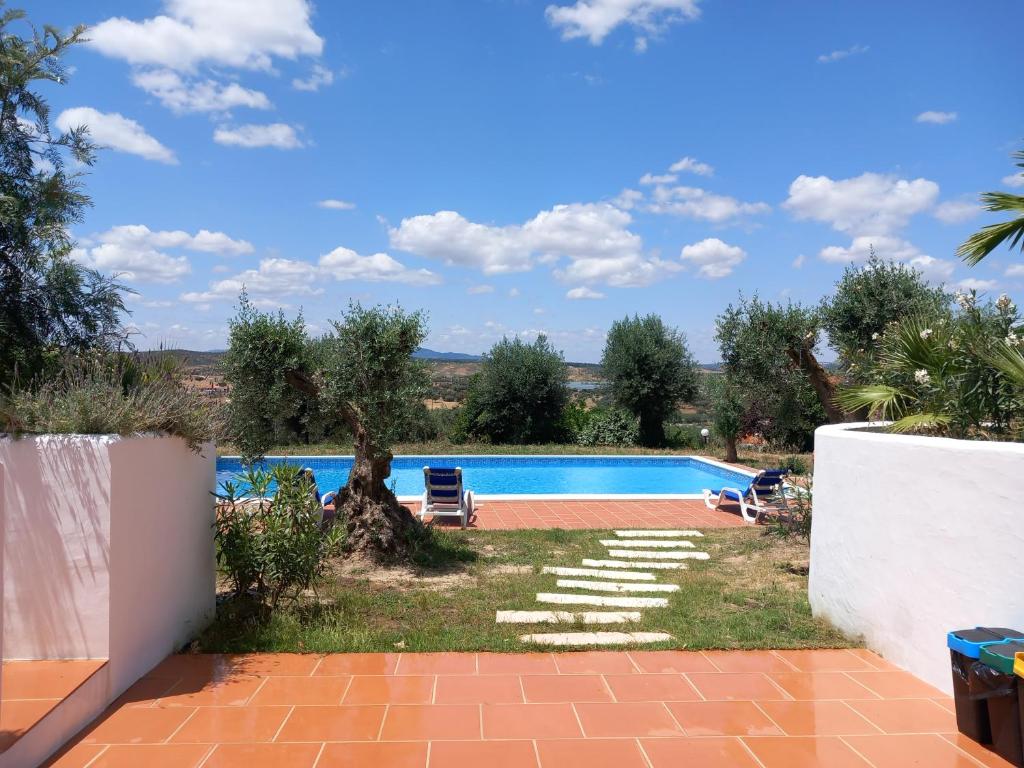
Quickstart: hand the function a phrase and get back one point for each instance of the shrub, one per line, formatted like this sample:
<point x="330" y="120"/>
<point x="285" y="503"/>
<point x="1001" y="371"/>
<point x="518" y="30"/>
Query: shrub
<point x="797" y="465"/>
<point x="610" y="426"/>
<point x="111" y="393"/>
<point x="273" y="547"/>
<point x="797" y="521"/>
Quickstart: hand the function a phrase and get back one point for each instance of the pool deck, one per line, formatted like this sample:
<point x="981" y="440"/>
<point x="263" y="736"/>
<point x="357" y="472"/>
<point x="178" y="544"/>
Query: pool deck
<point x="642" y="709"/>
<point x="597" y="513"/>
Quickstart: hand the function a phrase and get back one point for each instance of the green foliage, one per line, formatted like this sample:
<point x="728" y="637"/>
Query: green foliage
<point x="574" y="420"/>
<point x="610" y="426"/>
<point x="650" y="371"/>
<point x="110" y="393"/>
<point x="270" y="537"/>
<point x="49" y="304"/>
<point x="952" y="374"/>
<point x="983" y="242"/>
<point x="795" y="521"/>
<point x="727" y="407"/>
<point x="519" y="394"/>
<point x="265" y="409"/>
<point x="797" y="465"/>
<point x="867" y="299"/>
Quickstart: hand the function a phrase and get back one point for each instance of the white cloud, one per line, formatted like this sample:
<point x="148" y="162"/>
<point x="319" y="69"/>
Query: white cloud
<point x="480" y="289"/>
<point x="114" y="130"/>
<point x="799" y="261"/>
<point x="346" y="264"/>
<point x="513" y="293"/>
<point x="713" y="258"/>
<point x="887" y="247"/>
<point x="1015" y="270"/>
<point x="871" y="203"/>
<point x="691" y="165"/>
<point x="936" y="118"/>
<point x="649" y="179"/>
<point x="628" y="199"/>
<point x="181" y="95"/>
<point x="450" y="238"/>
<point x="279" y="135"/>
<point x="974" y="284"/>
<point x="583" y="293"/>
<point x="247" y="34"/>
<point x="595" y="19"/>
<point x="336" y="205"/>
<point x="828" y="58"/>
<point x="640" y="44"/>
<point x="318" y="78"/>
<point x="697" y="203"/>
<point x="1014" y="180"/>
<point x="956" y="211"/>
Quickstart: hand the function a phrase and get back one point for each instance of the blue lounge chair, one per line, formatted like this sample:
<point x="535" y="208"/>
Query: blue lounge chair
<point x="443" y="495"/>
<point x="765" y="492"/>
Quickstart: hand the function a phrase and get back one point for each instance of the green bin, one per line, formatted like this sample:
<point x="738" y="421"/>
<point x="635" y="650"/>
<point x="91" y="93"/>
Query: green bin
<point x="994" y="675"/>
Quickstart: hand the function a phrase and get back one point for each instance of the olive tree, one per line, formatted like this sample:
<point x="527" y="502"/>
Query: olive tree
<point x="650" y="371"/>
<point x="727" y="410"/>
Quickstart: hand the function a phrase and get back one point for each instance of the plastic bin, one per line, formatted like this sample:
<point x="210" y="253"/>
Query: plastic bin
<point x="971" y="711"/>
<point x="1018" y="671"/>
<point x="994" y="676"/>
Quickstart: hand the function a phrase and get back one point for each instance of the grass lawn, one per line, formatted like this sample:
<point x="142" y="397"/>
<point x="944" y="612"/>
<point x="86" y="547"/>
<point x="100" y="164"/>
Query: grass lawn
<point x="752" y="593"/>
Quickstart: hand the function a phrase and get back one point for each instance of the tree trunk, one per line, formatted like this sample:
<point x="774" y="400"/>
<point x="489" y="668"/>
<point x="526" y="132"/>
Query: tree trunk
<point x="652" y="431"/>
<point x="730" y="449"/>
<point x="804" y="360"/>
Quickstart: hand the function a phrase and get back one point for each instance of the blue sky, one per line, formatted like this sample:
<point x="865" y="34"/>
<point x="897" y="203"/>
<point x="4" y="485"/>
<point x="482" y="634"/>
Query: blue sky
<point x="515" y="166"/>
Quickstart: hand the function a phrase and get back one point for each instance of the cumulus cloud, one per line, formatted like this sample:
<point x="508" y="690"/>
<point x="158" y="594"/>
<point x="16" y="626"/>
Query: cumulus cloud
<point x="191" y="95"/>
<point x="247" y="34"/>
<point x="974" y="284"/>
<point x="936" y="118"/>
<point x="649" y="179"/>
<point x="336" y="205"/>
<point x="956" y="211"/>
<point x="480" y="289"/>
<point x="583" y="292"/>
<point x="691" y="165"/>
<point x="696" y="203"/>
<point x="117" y="132"/>
<point x="799" y="261"/>
<point x="890" y="248"/>
<point x="839" y="55"/>
<point x="449" y="237"/>
<point x="319" y="77"/>
<point x="278" y="135"/>
<point x="871" y="203"/>
<point x="1015" y="270"/>
<point x="1014" y="180"/>
<point x="595" y="19"/>
<point x="713" y="258"/>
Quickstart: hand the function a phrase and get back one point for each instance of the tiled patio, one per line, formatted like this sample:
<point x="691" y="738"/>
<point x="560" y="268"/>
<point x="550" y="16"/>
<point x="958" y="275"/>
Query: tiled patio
<point x="677" y="513"/>
<point x="657" y="709"/>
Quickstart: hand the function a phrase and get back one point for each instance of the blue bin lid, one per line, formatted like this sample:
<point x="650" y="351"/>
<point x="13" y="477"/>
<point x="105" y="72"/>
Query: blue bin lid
<point x="969" y="642"/>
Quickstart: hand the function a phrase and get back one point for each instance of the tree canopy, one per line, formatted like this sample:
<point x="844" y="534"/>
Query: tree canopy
<point x="650" y="371"/>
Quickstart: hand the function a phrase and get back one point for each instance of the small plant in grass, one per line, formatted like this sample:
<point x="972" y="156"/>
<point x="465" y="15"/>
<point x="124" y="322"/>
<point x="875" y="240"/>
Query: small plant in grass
<point x="273" y="546"/>
<point x="796" y="519"/>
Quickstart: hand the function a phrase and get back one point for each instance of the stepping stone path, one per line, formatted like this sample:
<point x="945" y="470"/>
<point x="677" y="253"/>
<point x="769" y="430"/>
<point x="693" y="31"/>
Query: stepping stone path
<point x="642" y="552"/>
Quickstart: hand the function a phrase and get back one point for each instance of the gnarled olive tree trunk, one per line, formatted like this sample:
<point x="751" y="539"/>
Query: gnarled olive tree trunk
<point x="804" y="360"/>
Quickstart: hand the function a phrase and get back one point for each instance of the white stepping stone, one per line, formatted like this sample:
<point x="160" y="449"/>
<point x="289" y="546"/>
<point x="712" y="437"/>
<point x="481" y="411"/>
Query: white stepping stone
<point x="656" y="534"/>
<point x="558" y="570"/>
<point x="566" y="617"/>
<point x="681" y="543"/>
<point x="615" y="586"/>
<point x="602" y="600"/>
<point x="659" y="555"/>
<point x="633" y="564"/>
<point x="595" y="638"/>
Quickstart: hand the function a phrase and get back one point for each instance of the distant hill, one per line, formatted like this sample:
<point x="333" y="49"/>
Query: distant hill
<point x="429" y="354"/>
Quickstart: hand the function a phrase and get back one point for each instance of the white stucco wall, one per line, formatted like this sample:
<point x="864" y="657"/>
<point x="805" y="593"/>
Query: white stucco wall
<point x="915" y="536"/>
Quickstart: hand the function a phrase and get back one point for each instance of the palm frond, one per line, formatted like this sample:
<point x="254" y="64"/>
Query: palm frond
<point x="881" y="399"/>
<point x="1009" y="361"/>
<point x="915" y="421"/>
<point x="987" y="239"/>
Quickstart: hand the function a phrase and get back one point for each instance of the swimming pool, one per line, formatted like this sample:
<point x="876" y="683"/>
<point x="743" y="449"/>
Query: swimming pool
<point x="532" y="476"/>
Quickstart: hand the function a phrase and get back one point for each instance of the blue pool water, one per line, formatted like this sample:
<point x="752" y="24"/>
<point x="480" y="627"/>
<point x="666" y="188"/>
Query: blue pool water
<point x="601" y="475"/>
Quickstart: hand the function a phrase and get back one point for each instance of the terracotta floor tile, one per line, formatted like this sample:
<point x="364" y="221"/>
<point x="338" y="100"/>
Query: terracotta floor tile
<point x="667" y="687"/>
<point x="617" y="720"/>
<point x="375" y="755"/>
<point x="424" y="723"/>
<point x="927" y="751"/>
<point x="196" y="666"/>
<point x="723" y="718"/>
<point x="398" y="689"/>
<point x="825" y="660"/>
<point x="270" y="664"/>
<point x="736" y="686"/>
<point x="145" y="692"/>
<point x="137" y="726"/>
<point x="231" y="691"/>
<point x="154" y="756"/>
<point x="982" y="754"/>
<point x="872" y="658"/>
<point x="699" y="753"/>
<point x="44" y="679"/>
<point x="437" y="664"/>
<point x="332" y="724"/>
<point x="816" y="718"/>
<point x="357" y="664"/>
<point x="804" y="752"/>
<point x="78" y="756"/>
<point x="590" y="753"/>
<point x="530" y="721"/>
<point x="748" y="661"/>
<point x="907" y="716"/>
<point x="263" y="756"/>
<point x="594" y="662"/>
<point x="896" y="685"/>
<point x="212" y="725"/>
<point x="16" y="717"/>
<point x="473" y="754"/>
<point x="672" y="661"/>
<point x="821" y="685"/>
<point x="301" y="690"/>
<point x="516" y="663"/>
<point x="553" y="688"/>
<point x="478" y="689"/>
